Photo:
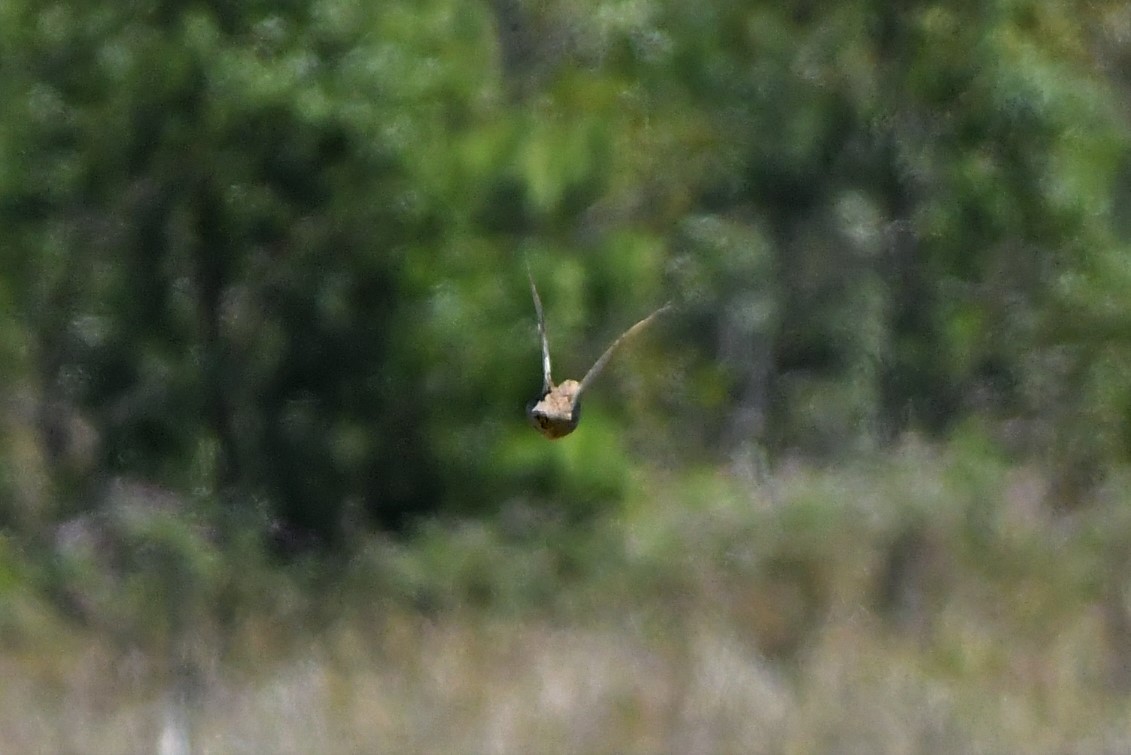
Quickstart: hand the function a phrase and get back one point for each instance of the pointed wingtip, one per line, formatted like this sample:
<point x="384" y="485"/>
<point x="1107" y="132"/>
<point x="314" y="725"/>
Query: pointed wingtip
<point x="599" y="365"/>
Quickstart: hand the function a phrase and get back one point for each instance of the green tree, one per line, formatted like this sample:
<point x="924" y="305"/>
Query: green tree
<point x="268" y="253"/>
<point x="276" y="253"/>
<point x="923" y="181"/>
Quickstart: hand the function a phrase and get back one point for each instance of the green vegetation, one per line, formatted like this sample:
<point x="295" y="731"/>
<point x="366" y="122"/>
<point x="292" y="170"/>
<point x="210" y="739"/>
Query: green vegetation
<point x="266" y="338"/>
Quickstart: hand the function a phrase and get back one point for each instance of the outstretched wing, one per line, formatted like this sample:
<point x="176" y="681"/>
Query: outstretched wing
<point x="547" y="383"/>
<point x="599" y="365"/>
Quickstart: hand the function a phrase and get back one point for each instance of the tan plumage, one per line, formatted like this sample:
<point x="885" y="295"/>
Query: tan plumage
<point x="557" y="412"/>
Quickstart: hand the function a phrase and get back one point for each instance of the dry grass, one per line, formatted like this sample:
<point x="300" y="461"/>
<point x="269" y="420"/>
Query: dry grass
<point x="465" y="685"/>
<point x="710" y="622"/>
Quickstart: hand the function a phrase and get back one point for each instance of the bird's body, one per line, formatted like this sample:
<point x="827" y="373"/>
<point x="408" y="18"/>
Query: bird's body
<point x="557" y="411"/>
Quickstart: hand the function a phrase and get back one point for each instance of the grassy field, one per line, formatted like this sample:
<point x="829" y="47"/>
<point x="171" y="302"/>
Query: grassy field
<point x="927" y="602"/>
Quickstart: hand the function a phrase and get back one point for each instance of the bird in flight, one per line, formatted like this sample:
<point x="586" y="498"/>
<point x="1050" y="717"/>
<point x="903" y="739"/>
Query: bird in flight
<point x="557" y="411"/>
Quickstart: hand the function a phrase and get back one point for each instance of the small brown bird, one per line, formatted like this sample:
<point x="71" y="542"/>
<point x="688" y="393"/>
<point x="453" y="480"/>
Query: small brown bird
<point x="557" y="411"/>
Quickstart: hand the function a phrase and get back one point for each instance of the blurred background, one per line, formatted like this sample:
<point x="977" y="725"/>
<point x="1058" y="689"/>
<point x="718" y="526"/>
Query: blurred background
<point x="266" y="339"/>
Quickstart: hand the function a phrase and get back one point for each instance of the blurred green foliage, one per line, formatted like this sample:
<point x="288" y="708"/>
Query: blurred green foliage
<point x="273" y="255"/>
